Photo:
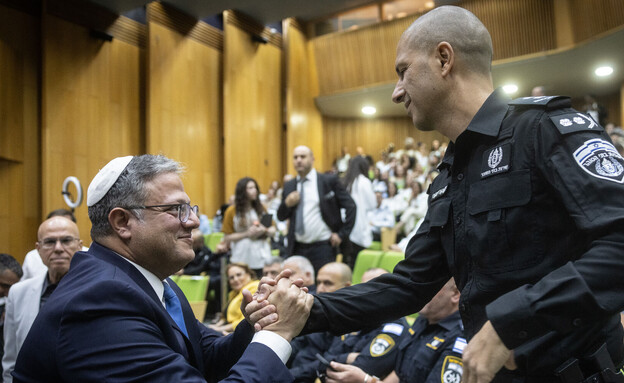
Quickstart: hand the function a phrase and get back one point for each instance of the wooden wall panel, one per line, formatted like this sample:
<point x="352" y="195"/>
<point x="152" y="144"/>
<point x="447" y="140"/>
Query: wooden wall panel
<point x="354" y="59"/>
<point x="593" y="17"/>
<point x="373" y="135"/>
<point x="19" y="132"/>
<point x="365" y="57"/>
<point x="252" y="108"/>
<point x="517" y="27"/>
<point x="304" y="124"/>
<point x="184" y="111"/>
<point x="92" y="108"/>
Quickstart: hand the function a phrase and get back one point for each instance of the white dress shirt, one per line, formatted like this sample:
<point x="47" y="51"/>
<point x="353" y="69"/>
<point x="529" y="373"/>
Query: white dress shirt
<point x="315" y="229"/>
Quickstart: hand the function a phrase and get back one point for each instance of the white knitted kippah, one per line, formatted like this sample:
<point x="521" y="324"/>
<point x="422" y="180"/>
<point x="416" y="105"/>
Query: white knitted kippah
<point x="105" y="179"/>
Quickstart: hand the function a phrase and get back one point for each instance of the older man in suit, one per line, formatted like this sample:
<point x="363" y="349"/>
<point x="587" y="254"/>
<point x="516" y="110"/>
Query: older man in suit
<point x="58" y="240"/>
<point x="312" y="202"/>
<point x="117" y="317"/>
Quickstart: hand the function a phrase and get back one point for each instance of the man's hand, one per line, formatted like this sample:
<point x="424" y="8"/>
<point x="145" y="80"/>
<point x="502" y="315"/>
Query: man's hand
<point x="485" y="355"/>
<point x="293" y="306"/>
<point x="335" y="240"/>
<point x="258" y="314"/>
<point x="344" y="373"/>
<point x="292" y="199"/>
<point x="254" y="307"/>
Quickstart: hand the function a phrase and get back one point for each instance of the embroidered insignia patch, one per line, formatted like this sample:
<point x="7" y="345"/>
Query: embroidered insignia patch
<point x="460" y="345"/>
<point x="435" y="343"/>
<point x="381" y="345"/>
<point x="600" y="159"/>
<point x="496" y="160"/>
<point x="574" y="122"/>
<point x="393" y="328"/>
<point x="452" y="370"/>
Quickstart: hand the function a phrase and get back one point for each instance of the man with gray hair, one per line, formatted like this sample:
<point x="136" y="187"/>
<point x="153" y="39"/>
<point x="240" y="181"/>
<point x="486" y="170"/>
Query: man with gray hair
<point x="118" y="317"/>
<point x="301" y="267"/>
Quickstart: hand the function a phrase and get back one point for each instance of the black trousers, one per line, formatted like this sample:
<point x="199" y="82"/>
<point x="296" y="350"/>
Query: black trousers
<point x="318" y="253"/>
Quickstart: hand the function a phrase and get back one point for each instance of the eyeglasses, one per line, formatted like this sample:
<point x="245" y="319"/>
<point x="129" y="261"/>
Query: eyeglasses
<point x="50" y="243"/>
<point x="183" y="209"/>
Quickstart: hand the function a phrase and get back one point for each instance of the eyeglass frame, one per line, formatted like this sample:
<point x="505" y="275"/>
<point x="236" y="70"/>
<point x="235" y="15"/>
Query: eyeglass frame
<point x="193" y="208"/>
<point x="49" y="245"/>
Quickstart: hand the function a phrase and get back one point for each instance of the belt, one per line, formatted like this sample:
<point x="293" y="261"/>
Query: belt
<point x="312" y="244"/>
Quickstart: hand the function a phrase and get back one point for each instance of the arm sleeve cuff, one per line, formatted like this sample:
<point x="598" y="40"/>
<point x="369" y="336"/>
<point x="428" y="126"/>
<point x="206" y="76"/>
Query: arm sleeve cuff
<point x="279" y="345"/>
<point x="512" y="318"/>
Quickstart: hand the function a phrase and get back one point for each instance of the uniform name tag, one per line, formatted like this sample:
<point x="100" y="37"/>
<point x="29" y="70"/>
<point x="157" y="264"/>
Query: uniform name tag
<point x="496" y="160"/>
<point x="439" y="193"/>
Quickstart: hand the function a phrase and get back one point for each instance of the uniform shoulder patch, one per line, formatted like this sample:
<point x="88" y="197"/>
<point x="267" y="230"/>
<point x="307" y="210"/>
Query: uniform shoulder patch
<point x="460" y="345"/>
<point x="600" y="159"/>
<point x="574" y="122"/>
<point x="381" y="345"/>
<point x="560" y="101"/>
<point x="393" y="328"/>
<point x="452" y="370"/>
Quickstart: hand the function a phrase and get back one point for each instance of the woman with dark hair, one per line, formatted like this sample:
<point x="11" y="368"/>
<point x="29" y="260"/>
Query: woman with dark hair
<point x="240" y="277"/>
<point x="243" y="228"/>
<point x="360" y="188"/>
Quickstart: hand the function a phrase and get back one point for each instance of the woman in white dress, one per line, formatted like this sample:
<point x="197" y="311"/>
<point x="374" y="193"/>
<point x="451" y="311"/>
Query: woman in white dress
<point x="243" y="228"/>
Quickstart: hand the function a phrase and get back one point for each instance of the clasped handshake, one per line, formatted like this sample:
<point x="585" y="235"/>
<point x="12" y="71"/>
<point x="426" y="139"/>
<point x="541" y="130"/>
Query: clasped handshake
<point x="280" y="305"/>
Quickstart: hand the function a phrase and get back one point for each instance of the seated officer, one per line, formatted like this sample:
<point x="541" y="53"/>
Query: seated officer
<point x="432" y="352"/>
<point x="303" y="363"/>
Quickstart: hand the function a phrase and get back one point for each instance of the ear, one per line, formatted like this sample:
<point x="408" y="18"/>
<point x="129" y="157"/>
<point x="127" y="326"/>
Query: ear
<point x="446" y="58"/>
<point x="456" y="295"/>
<point x="119" y="219"/>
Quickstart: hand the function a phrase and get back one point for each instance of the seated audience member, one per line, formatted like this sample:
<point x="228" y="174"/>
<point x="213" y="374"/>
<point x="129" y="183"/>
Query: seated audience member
<point x="243" y="228"/>
<point x="396" y="202"/>
<point x="301" y="267"/>
<point x="117" y="316"/>
<point x="10" y="274"/>
<point x="416" y="209"/>
<point x="380" y="217"/>
<point x="273" y="267"/>
<point x="380" y="182"/>
<point x="431" y="352"/>
<point x="374" y="350"/>
<point x="58" y="241"/>
<point x="33" y="265"/>
<point x="240" y="276"/>
<point x="303" y="363"/>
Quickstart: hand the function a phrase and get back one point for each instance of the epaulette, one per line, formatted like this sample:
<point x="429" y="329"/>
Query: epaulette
<point x="548" y="102"/>
<point x="573" y="121"/>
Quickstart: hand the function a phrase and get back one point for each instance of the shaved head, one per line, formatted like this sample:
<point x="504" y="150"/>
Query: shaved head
<point x="461" y="29"/>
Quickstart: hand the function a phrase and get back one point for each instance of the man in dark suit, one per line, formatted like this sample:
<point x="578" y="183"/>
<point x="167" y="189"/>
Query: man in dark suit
<point x="117" y="317"/>
<point x="312" y="202"/>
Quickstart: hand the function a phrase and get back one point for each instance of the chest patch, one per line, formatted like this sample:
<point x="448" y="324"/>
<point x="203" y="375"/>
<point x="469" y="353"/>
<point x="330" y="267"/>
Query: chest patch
<point x="452" y="370"/>
<point x="438" y="193"/>
<point x="496" y="160"/>
<point x="381" y="345"/>
<point x="600" y="159"/>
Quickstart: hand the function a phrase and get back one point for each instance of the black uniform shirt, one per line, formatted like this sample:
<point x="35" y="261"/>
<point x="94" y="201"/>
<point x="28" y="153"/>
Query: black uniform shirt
<point x="432" y="353"/>
<point x="528" y="215"/>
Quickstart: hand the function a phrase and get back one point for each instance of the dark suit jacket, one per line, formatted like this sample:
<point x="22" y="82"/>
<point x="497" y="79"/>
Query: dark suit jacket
<point x="332" y="197"/>
<point x="104" y="323"/>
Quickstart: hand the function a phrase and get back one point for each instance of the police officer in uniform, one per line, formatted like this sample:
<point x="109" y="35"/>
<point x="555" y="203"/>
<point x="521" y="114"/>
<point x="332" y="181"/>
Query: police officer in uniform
<point x="526" y="214"/>
<point x="430" y="351"/>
